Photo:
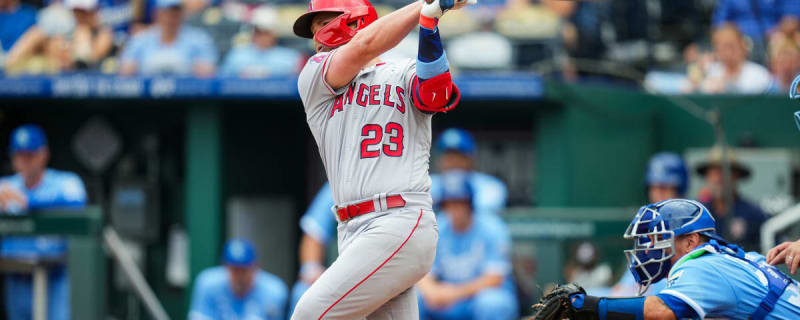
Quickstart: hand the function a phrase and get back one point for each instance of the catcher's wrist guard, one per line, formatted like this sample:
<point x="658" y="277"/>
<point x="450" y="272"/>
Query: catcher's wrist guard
<point x="597" y="308"/>
<point x="572" y="302"/>
<point x="585" y="307"/>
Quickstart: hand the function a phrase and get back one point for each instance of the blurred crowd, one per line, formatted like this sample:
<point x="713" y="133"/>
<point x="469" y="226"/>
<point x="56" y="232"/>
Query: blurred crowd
<point x="684" y="46"/>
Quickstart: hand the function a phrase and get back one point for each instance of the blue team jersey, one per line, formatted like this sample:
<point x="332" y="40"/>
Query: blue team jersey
<point x="718" y="285"/>
<point x="319" y="222"/>
<point x="484" y="248"/>
<point x="151" y="56"/>
<point x="489" y="192"/>
<point x="213" y="297"/>
<point x="58" y="189"/>
<point x="250" y="61"/>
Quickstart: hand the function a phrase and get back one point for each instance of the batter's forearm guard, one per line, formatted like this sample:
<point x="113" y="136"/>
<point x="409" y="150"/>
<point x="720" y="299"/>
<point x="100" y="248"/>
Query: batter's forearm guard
<point x="586" y="307"/>
<point x="433" y="90"/>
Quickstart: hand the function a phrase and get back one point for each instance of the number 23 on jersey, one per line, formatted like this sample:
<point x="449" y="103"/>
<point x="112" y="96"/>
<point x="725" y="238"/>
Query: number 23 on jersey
<point x="372" y="142"/>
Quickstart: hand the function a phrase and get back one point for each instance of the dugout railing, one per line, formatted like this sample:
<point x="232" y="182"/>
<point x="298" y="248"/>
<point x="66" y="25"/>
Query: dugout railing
<point x="88" y="242"/>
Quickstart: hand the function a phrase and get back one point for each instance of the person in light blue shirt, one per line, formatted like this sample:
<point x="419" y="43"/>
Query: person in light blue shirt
<point x="169" y="47"/>
<point x="319" y="225"/>
<point x="35" y="187"/>
<point x="707" y="276"/>
<point x="471" y="275"/>
<point x="239" y="290"/>
<point x="262" y="57"/>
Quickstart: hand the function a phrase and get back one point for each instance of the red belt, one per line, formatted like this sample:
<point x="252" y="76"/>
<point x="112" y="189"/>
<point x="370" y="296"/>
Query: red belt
<point x="361" y="208"/>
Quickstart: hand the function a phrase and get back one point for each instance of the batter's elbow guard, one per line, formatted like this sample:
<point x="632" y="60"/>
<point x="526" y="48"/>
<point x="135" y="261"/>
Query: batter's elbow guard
<point x="437" y="94"/>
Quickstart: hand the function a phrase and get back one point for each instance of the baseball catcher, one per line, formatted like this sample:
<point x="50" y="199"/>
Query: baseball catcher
<point x="707" y="277"/>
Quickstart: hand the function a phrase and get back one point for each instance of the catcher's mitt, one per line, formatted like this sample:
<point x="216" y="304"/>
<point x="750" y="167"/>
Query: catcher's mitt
<point x="557" y="305"/>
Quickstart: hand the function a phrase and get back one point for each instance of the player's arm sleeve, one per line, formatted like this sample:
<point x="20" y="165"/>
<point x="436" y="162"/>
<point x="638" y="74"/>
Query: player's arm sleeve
<point x="433" y="90"/>
<point x="318" y="222"/>
<point x="695" y="290"/>
<point x="311" y="83"/>
<point x="201" y="305"/>
<point x="498" y="261"/>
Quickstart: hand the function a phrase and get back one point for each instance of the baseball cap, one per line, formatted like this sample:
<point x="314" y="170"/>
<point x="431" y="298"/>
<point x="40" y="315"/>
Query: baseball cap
<point x="28" y="137"/>
<point x="81" y="4"/>
<point x="456" y="139"/>
<point x="239" y="252"/>
<point x="264" y="18"/>
<point x="163" y="4"/>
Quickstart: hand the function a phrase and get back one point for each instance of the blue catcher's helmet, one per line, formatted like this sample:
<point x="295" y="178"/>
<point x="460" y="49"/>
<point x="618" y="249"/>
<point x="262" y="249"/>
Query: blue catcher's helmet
<point x="794" y="89"/>
<point x="456" y="139"/>
<point x="668" y="168"/>
<point x="653" y="232"/>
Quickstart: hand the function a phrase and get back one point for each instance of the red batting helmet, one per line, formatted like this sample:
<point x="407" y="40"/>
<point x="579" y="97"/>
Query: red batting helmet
<point x="336" y="32"/>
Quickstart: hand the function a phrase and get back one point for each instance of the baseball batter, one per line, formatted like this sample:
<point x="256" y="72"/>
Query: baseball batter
<point x="372" y="123"/>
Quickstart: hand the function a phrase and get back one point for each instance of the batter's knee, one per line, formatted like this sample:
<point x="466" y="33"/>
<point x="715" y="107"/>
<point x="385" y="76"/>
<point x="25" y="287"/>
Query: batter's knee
<point x="496" y="304"/>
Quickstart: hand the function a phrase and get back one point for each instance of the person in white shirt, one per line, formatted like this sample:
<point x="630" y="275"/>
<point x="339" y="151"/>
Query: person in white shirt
<point x="731" y="72"/>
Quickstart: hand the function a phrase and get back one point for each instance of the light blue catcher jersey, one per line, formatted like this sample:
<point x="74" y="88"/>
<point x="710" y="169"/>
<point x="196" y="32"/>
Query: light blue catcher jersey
<point x="489" y="192"/>
<point x="213" y="298"/>
<point x="717" y="285"/>
<point x="484" y="248"/>
<point x="58" y="189"/>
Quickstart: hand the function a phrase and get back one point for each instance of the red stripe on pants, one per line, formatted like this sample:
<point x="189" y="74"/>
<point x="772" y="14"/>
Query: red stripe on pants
<point x="376" y="269"/>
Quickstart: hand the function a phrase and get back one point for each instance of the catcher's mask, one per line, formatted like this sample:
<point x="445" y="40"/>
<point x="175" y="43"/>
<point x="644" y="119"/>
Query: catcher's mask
<point x="794" y="93"/>
<point x="337" y="32"/>
<point x="653" y="232"/>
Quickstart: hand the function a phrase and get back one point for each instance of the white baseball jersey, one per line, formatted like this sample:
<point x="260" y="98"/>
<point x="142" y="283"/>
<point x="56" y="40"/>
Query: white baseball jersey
<point x="370" y="136"/>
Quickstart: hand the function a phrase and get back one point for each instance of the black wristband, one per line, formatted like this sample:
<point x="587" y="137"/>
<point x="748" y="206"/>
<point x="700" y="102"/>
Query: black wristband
<point x="589" y="309"/>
